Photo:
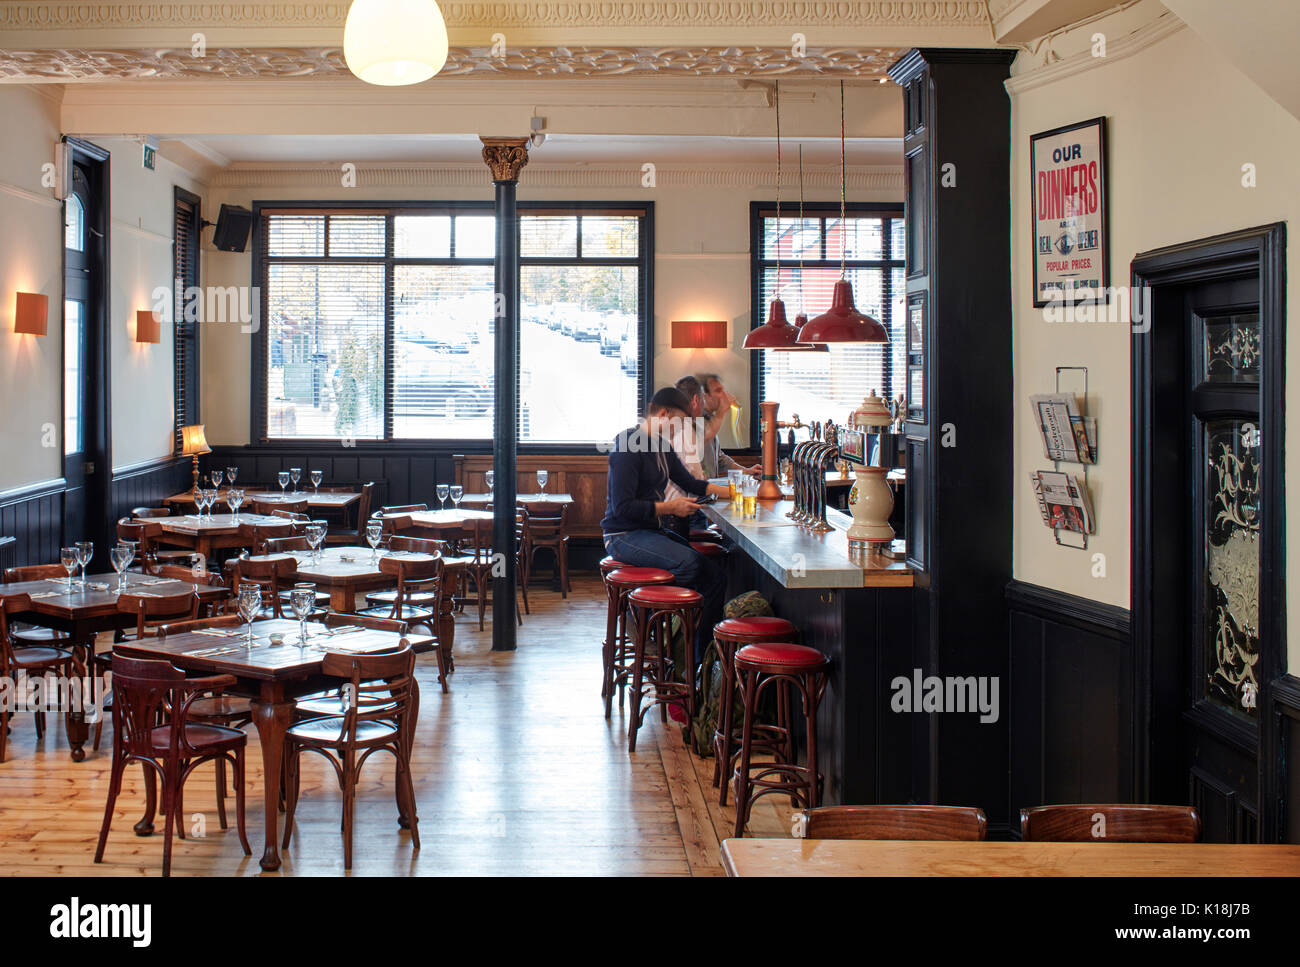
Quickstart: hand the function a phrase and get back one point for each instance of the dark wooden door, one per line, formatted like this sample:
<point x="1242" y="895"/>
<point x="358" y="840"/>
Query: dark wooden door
<point x="1222" y="489"/>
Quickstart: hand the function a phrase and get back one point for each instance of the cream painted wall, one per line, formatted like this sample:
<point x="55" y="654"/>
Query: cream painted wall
<point x="141" y="210"/>
<point x="1181" y="123"/>
<point x="30" y="237"/>
<point x="701" y="272"/>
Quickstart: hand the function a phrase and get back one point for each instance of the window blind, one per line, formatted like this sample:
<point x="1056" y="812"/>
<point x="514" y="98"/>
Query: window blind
<point x="185" y="332"/>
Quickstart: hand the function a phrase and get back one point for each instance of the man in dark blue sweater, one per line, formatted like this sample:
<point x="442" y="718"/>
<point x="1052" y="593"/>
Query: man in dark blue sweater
<point x="641" y="462"/>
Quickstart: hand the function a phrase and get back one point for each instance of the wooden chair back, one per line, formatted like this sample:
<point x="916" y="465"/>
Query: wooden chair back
<point x="145" y="692"/>
<point x="336" y="620"/>
<point x="151" y="612"/>
<point x="281" y="507"/>
<point x="914" y="822"/>
<point x="396" y="525"/>
<point x="182" y="627"/>
<point x="14" y="604"/>
<point x="413" y="576"/>
<point x="151" y="512"/>
<point x="274" y="574"/>
<point x="255" y="536"/>
<point x="363" y="505"/>
<point x="420" y="545"/>
<point x="283" y="545"/>
<point x="381" y="686"/>
<point x="405" y="509"/>
<point x="34" y="572"/>
<point x="189" y="575"/>
<point x="1110" y="823"/>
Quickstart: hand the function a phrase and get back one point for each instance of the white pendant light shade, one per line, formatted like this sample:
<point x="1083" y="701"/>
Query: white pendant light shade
<point x="395" y="42"/>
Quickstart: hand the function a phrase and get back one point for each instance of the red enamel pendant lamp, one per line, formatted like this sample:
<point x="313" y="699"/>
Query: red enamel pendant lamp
<point x="776" y="333"/>
<point x="842" y="322"/>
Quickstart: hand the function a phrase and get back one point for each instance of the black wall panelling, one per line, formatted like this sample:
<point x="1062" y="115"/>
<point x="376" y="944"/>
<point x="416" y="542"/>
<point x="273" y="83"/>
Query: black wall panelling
<point x="1282" y="741"/>
<point x="1070" y="701"/>
<point x="148" y="484"/>
<point x="34" y="516"/>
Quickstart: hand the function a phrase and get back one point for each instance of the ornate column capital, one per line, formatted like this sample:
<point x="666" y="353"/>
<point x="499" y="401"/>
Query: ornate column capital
<point x="505" y="156"/>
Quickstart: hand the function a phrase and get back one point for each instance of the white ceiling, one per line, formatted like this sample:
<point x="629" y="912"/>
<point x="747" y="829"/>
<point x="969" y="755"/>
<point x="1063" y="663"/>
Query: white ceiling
<point x="560" y="149"/>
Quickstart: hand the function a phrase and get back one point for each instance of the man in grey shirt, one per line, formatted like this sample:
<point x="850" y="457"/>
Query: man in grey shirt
<point x="716" y="403"/>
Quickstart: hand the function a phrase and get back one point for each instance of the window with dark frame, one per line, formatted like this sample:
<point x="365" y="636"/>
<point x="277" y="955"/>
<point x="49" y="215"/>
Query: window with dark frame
<point x="185" y="325"/>
<point x="871" y="238"/>
<point x="380" y="322"/>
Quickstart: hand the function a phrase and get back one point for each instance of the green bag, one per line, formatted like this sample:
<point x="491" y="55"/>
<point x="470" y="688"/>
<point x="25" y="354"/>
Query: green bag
<point x="699" y="733"/>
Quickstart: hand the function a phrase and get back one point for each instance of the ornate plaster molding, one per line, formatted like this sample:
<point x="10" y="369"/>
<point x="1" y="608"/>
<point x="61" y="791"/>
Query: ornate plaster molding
<point x="1117" y="49"/>
<point x="68" y="65"/>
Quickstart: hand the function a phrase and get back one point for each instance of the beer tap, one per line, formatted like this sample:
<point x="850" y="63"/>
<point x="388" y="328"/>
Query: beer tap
<point x="820" y="460"/>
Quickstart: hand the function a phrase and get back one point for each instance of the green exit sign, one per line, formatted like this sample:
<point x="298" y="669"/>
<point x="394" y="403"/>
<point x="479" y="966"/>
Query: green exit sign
<point x="150" y="156"/>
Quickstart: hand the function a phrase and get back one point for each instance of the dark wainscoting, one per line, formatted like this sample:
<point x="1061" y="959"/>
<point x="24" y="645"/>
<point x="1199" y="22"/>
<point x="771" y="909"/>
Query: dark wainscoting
<point x="1281" y="782"/>
<point x="33" y="516"/>
<point x="1071" y="701"/>
<point x="147" y="484"/>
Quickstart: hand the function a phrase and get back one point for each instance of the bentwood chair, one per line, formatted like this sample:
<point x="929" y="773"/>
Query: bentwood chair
<point x="404" y="509"/>
<point x="151" y="725"/>
<point x="355" y="535"/>
<point x="34" y="636"/>
<point x="919" y="822"/>
<point x="144" y="513"/>
<point x="476" y="541"/>
<point x="274" y="575"/>
<point x="33" y="662"/>
<point x="332" y="701"/>
<point x="417" y="599"/>
<point x="380" y="718"/>
<point x="1110" y="823"/>
<point x="546" y="526"/>
<point x="269" y="507"/>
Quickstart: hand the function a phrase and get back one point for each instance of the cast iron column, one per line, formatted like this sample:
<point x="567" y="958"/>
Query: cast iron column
<point x="505" y="156"/>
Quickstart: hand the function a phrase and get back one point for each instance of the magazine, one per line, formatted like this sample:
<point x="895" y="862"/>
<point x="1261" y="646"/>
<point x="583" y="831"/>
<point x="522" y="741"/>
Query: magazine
<point x="1068" y="435"/>
<point x="1063" y="500"/>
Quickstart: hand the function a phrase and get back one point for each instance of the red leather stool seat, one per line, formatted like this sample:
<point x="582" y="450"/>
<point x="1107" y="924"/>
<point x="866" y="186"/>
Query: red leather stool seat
<point x="703" y="534"/>
<point x="608" y="564"/>
<point x="667" y="595"/>
<point x="784" y="655"/>
<point x="757" y="625"/>
<point x="632" y="576"/>
<point x="709" y="548"/>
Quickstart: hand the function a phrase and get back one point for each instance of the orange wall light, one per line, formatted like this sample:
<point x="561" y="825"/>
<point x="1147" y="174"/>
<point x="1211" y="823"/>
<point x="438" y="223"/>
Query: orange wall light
<point x="699" y="335"/>
<point x="147" y="328"/>
<point x="31" y="316"/>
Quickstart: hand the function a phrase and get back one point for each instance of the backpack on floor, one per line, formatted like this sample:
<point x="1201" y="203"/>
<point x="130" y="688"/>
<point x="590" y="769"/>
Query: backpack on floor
<point x="699" y="733"/>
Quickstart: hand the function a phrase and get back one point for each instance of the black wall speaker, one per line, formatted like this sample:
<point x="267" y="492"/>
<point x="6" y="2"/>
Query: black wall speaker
<point x="233" y="225"/>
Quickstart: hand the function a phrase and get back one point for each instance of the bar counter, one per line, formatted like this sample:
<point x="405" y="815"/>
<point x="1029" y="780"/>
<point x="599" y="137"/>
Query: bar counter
<point x="856" y="608"/>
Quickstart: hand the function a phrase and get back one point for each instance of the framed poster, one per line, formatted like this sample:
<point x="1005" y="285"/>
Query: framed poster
<point x="1068" y="195"/>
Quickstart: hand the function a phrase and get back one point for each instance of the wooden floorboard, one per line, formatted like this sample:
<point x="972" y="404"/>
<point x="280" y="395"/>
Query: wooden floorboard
<point x="517" y="772"/>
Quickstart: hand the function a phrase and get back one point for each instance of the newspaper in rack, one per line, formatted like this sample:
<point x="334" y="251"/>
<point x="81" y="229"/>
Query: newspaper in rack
<point x="1063" y="501"/>
<point x="1068" y="435"/>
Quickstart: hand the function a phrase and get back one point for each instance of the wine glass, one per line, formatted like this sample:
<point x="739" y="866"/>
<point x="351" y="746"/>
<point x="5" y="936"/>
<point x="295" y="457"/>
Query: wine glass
<point x="374" y="533"/>
<point x="216" y="479"/>
<point x="490" y="478"/>
<point x="442" y="496"/>
<point x="201" y="500"/>
<point x="283" y="477"/>
<point x="85" y="551"/>
<point x="250" y="603"/>
<point x="316" y="477"/>
<point x="122" y="554"/>
<point x="302" y="599"/>
<point x="70" y="560"/>
<point x="234" y="498"/>
<point x="231" y="473"/>
<point x="295" y="474"/>
<point x="542" y="477"/>
<point x="315" y="534"/>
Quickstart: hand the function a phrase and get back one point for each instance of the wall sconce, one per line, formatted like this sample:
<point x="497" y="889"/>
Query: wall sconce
<point x="147" y="328"/>
<point x="700" y="335"/>
<point x="31" y="314"/>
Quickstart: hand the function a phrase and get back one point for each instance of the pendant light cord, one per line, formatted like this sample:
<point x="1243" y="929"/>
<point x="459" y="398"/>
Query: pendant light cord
<point x="777" y="101"/>
<point x="844" y="235"/>
<point x="801" y="305"/>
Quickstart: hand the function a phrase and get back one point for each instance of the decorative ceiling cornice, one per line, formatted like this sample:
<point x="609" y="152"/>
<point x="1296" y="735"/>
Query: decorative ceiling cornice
<point x="417" y="175"/>
<point x="792" y="14"/>
<point x="84" y="65"/>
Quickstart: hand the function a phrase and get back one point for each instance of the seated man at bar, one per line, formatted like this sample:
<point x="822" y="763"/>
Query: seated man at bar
<point x="641" y="465"/>
<point x="716" y="403"/>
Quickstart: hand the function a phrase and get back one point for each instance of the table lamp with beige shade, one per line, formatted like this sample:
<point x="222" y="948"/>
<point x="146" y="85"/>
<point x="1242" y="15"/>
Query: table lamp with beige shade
<point x="194" y="444"/>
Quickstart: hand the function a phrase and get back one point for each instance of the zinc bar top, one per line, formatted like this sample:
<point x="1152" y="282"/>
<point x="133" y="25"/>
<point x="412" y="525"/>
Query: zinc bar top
<point x="799" y="558"/>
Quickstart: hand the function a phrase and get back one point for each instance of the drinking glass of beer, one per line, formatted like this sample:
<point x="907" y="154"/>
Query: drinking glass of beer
<point x="734" y="480"/>
<point x="749" y="498"/>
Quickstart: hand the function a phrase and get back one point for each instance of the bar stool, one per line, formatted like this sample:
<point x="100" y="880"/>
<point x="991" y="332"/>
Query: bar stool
<point x="653" y="608"/>
<point x="757" y="667"/>
<point x="729" y="635"/>
<point x="709" y="548"/>
<point x="619" y="583"/>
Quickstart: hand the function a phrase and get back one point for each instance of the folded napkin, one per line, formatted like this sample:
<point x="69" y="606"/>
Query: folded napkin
<point x="139" y="594"/>
<point x="213" y="652"/>
<point x="219" y="632"/>
<point x="48" y="594"/>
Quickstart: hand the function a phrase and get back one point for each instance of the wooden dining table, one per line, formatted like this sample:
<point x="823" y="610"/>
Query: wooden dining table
<point x="476" y="500"/>
<point x="325" y="500"/>
<point x="273" y="676"/>
<point x="344" y="571"/>
<point x="83" y="614"/>
<point x="844" y="857"/>
<point x="207" y="534"/>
